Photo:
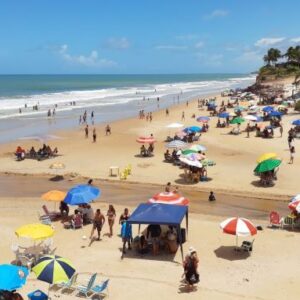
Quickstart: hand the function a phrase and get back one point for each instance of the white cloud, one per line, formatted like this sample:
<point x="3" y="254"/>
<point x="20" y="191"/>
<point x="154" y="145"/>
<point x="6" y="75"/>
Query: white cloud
<point x="91" y="60"/>
<point x="171" y="47"/>
<point x="218" y="13"/>
<point x="117" y="43"/>
<point x="295" y="40"/>
<point x="199" y="45"/>
<point x="266" y="42"/>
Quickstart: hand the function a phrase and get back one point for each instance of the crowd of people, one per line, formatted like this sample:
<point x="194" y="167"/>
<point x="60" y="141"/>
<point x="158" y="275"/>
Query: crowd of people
<point x="42" y="153"/>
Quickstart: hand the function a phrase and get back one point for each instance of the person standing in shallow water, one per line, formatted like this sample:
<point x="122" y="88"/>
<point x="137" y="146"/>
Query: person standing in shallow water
<point x="212" y="196"/>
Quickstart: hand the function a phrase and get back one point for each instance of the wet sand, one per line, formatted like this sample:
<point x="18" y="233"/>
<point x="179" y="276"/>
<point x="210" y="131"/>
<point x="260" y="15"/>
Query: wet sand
<point x="132" y="194"/>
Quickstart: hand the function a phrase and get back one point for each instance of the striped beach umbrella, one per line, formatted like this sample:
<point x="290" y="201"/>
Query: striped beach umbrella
<point x="169" y="198"/>
<point x="238" y="227"/>
<point x="177" y="144"/>
<point x="295" y="205"/>
<point x="53" y="269"/>
<point x="203" y="119"/>
<point x="146" y="140"/>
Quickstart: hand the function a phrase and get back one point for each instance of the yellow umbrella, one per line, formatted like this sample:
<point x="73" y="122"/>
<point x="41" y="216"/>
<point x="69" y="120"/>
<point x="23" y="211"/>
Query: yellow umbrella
<point x="35" y="231"/>
<point x="266" y="156"/>
<point x="54" y="195"/>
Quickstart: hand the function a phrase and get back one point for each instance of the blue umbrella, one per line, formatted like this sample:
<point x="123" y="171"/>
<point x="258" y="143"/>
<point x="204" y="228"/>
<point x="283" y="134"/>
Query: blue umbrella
<point x="296" y="122"/>
<point x="268" y="108"/>
<point x="224" y="115"/>
<point x="275" y="113"/>
<point x="12" y="277"/>
<point x="192" y="129"/>
<point x="203" y="119"/>
<point x="82" y="194"/>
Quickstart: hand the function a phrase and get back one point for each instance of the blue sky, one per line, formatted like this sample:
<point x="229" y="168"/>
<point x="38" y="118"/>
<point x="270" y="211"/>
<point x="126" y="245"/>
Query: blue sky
<point x="145" y="36"/>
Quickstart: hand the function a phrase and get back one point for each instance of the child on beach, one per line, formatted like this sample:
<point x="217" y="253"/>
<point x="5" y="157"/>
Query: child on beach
<point x="212" y="196"/>
<point x="292" y="154"/>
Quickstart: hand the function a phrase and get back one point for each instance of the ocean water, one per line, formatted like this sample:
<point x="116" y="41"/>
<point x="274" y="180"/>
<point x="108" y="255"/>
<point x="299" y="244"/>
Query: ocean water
<point x="111" y="97"/>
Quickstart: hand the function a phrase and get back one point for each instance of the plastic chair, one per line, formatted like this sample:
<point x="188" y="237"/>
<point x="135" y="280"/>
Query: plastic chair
<point x="274" y="219"/>
<point x="247" y="246"/>
<point x="123" y="175"/>
<point x="129" y="169"/>
<point x="70" y="284"/>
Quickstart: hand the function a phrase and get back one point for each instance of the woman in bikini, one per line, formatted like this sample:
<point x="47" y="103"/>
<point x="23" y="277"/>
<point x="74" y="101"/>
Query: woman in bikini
<point x="111" y="215"/>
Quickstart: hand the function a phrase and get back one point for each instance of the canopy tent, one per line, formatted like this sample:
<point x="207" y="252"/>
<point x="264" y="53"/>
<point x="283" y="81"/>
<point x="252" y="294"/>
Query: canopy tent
<point x="161" y="214"/>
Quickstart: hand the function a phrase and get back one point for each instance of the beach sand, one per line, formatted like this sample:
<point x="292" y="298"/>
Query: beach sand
<point x="270" y="273"/>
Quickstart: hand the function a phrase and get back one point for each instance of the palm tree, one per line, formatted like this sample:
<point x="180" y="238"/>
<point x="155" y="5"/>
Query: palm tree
<point x="291" y="54"/>
<point x="272" y="56"/>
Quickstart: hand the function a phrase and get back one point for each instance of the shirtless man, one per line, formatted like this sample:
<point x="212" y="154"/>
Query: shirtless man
<point x="98" y="223"/>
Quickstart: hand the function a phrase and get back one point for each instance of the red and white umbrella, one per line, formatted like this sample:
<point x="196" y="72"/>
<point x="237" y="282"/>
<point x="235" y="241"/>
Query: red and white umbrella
<point x="295" y="205"/>
<point x="295" y="198"/>
<point x="238" y="227"/>
<point x="146" y="140"/>
<point x="169" y="198"/>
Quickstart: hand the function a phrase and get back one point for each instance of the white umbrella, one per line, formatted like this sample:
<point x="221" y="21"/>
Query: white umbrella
<point x="177" y="144"/>
<point x="193" y="163"/>
<point x="250" y="118"/>
<point x="175" y="125"/>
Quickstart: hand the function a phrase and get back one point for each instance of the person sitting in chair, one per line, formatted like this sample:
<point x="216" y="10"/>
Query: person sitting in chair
<point x="32" y="152"/>
<point x="167" y="155"/>
<point x="64" y="208"/>
<point x="150" y="149"/>
<point x="143" y="151"/>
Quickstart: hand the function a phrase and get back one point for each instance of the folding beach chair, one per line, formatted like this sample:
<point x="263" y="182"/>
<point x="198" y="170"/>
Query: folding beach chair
<point x="52" y="214"/>
<point x="70" y="284"/>
<point x="86" y="289"/>
<point x="99" y="289"/>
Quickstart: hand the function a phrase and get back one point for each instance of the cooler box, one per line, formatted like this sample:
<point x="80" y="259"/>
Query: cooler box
<point x="37" y="295"/>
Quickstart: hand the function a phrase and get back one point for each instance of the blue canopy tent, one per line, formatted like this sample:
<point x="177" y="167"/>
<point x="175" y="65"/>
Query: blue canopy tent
<point x="161" y="214"/>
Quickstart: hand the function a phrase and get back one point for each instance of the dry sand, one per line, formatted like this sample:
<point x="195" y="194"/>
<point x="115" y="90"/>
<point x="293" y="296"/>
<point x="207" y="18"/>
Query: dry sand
<point x="271" y="272"/>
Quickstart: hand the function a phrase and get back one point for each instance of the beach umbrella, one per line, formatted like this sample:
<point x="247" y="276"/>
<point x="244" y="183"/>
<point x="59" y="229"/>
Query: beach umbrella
<point x="267" y="165"/>
<point x="54" y="195"/>
<point x="169" y="198"/>
<point x="266" y="156"/>
<point x="82" y="194"/>
<point x="175" y="125"/>
<point x="188" y="151"/>
<point x="146" y="140"/>
<point x="53" y="269"/>
<point x="268" y="109"/>
<point x="237" y="120"/>
<point x="177" y="144"/>
<point x="181" y="134"/>
<point x="198" y="148"/>
<point x="251" y="118"/>
<point x="12" y="277"/>
<point x="275" y="113"/>
<point x="296" y="122"/>
<point x="238" y="227"/>
<point x="295" y="198"/>
<point x="203" y="119"/>
<point x="192" y="129"/>
<point x="189" y="162"/>
<point x="223" y="115"/>
<point x="35" y="231"/>
<point x="195" y="156"/>
<point x="295" y="205"/>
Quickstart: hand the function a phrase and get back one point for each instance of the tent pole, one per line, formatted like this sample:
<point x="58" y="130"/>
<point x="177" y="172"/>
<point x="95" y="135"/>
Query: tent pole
<point x="180" y="241"/>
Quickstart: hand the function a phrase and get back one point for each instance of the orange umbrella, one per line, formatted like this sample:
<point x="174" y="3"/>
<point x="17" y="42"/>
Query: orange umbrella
<point x="54" y="195"/>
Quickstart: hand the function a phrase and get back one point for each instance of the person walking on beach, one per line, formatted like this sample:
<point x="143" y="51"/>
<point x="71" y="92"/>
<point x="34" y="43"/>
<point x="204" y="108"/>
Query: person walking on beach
<point x="281" y="130"/>
<point x="190" y="266"/>
<point x="80" y="119"/>
<point x="182" y="116"/>
<point x="92" y="117"/>
<point x="248" y="130"/>
<point x="292" y="154"/>
<point x="94" y="135"/>
<point x="86" y="131"/>
<point x="107" y="130"/>
<point x="111" y="216"/>
<point x="126" y="234"/>
<point x="290" y="140"/>
<point x="98" y="223"/>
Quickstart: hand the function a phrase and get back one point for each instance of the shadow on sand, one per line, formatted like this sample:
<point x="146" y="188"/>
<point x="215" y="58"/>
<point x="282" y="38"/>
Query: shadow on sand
<point x="231" y="253"/>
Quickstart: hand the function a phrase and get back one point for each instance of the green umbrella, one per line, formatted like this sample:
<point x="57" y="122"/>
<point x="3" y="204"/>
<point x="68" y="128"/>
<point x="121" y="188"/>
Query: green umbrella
<point x="237" y="120"/>
<point x="267" y="165"/>
<point x="188" y="151"/>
